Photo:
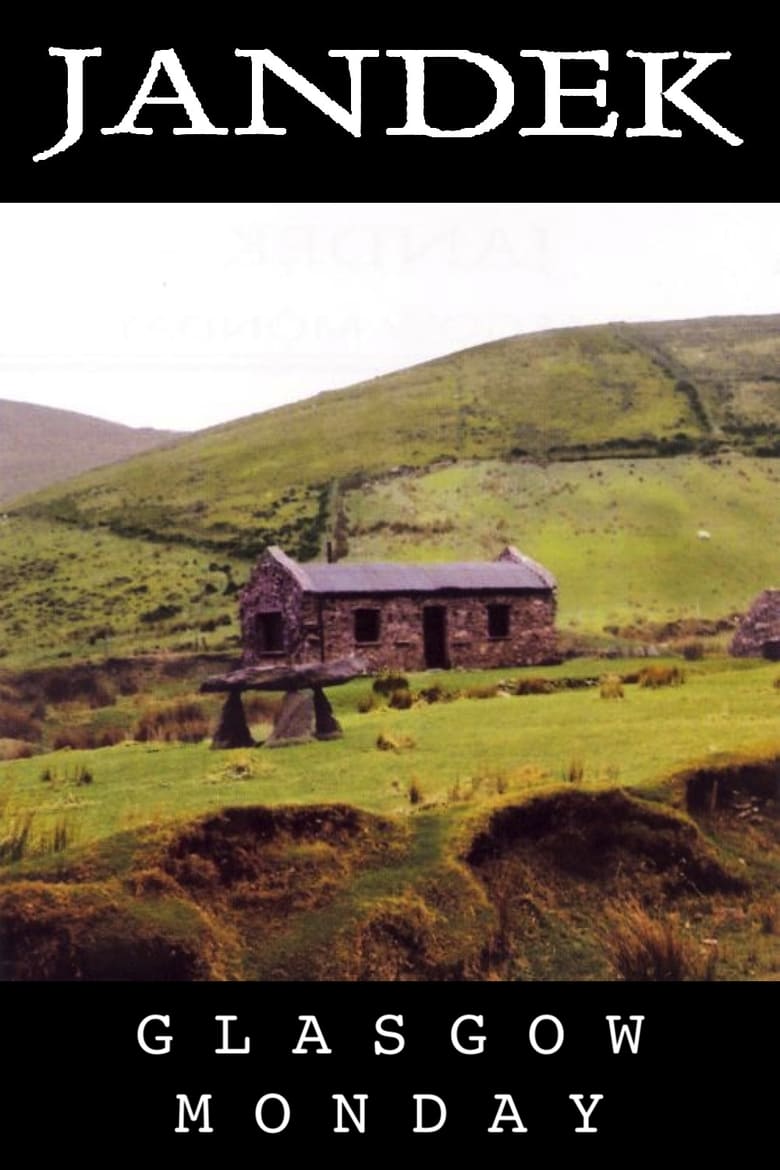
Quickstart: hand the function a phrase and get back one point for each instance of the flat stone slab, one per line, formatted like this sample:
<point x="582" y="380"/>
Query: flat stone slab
<point x="287" y="678"/>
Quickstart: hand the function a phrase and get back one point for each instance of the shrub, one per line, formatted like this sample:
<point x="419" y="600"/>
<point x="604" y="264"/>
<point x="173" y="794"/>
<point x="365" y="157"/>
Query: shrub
<point x="181" y="722"/>
<point x="401" y="700"/>
<point x="17" y="723"/>
<point x="388" y="681"/>
<point x="17" y="749"/>
<point x="437" y="694"/>
<point x="692" y="650"/>
<point x="366" y="703"/>
<point x="534" y="686"/>
<point x="611" y="686"/>
<point x="661" y="676"/>
<point x="645" y="949"/>
<point x="85" y="738"/>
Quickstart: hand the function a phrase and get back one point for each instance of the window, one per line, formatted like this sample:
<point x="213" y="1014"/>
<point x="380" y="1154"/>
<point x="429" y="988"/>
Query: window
<point x="269" y="629"/>
<point x="366" y="626"/>
<point x="498" y="621"/>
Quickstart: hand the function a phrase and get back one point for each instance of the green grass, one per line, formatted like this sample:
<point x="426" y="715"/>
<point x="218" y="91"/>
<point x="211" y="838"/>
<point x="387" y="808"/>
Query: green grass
<point x="621" y="536"/>
<point x="68" y="593"/>
<point x="530" y="741"/>
<point x="399" y="899"/>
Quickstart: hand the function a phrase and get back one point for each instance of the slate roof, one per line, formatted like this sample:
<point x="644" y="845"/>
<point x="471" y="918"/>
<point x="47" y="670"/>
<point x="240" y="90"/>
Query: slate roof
<point x="468" y="576"/>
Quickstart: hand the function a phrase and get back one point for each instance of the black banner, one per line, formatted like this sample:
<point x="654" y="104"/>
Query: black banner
<point x="659" y="115"/>
<point x="505" y="1068"/>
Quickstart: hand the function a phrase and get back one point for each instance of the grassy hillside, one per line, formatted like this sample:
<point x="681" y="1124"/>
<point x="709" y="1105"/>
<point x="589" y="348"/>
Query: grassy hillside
<point x="566" y="393"/>
<point x="601" y="451"/>
<point x="41" y="446"/>
<point x="628" y="540"/>
<point x="622" y="537"/>
<point x="730" y="368"/>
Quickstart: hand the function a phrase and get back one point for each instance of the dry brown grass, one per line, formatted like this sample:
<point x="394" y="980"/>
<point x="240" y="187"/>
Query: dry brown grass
<point x="661" y="676"/>
<point x="86" y="738"/>
<point x="17" y="749"/>
<point x="180" y="722"/>
<point x="641" y="948"/>
<point x="611" y="686"/>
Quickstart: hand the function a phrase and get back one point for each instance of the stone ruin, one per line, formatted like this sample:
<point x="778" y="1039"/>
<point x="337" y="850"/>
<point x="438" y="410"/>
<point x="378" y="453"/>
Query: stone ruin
<point x="306" y="713"/>
<point x="758" y="635"/>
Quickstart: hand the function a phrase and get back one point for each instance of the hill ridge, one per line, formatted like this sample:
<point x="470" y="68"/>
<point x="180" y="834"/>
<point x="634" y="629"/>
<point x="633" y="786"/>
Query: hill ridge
<point x="43" y="445"/>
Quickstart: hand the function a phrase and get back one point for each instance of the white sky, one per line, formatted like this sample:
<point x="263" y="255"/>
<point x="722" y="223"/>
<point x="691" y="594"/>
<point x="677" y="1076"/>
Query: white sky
<point x="186" y="315"/>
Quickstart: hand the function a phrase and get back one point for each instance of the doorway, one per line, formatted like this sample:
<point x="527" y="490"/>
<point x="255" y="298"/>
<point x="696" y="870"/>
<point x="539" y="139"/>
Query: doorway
<point x="435" y="637"/>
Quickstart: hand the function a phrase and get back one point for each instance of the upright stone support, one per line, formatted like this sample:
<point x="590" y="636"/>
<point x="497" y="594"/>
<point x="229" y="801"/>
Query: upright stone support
<point x="326" y="725"/>
<point x="233" y="729"/>
<point x="295" y="722"/>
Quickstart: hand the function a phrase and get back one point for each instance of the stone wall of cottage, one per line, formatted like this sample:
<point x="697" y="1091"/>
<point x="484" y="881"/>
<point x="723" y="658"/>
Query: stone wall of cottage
<point x="531" y="639"/>
<point x="272" y="589"/>
<point x="323" y="628"/>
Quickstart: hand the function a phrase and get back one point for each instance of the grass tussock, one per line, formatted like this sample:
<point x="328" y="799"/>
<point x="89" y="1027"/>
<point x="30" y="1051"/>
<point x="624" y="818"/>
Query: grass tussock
<point x="394" y="743"/>
<point x="574" y="772"/>
<point x="16" y="836"/>
<point x="611" y="687"/>
<point x="437" y="694"/>
<point x="401" y="700"/>
<point x="643" y="948"/>
<point x="415" y="792"/>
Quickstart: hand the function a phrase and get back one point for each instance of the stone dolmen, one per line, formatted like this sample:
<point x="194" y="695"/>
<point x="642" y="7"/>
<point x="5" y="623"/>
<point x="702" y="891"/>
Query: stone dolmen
<point x="306" y="713"/>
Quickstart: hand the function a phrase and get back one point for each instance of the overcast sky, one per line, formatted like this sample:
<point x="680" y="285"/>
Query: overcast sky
<point x="186" y="315"/>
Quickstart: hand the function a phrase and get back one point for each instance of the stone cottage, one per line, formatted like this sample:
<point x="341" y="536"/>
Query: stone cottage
<point x="409" y="617"/>
<point x="758" y="635"/>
